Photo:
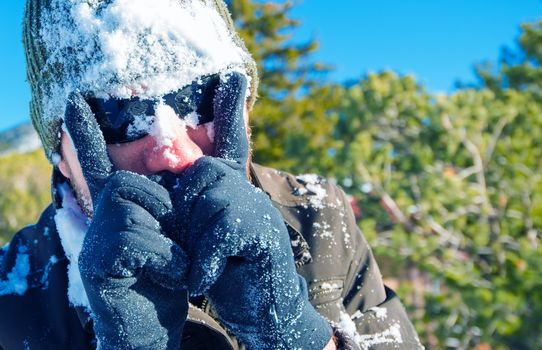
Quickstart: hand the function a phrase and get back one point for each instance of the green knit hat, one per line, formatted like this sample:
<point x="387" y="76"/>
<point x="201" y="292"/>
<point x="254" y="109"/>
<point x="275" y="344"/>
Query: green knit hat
<point x="57" y="58"/>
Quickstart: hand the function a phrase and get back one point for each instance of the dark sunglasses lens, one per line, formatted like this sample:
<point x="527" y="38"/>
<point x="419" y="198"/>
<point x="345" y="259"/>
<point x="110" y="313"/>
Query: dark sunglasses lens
<point x="117" y="118"/>
<point x="196" y="97"/>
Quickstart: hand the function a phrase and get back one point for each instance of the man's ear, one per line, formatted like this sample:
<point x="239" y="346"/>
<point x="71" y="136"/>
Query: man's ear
<point x="63" y="167"/>
<point x="62" y="164"/>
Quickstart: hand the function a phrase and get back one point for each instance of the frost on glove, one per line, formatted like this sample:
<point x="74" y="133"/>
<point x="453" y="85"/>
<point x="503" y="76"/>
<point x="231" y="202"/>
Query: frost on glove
<point x="134" y="275"/>
<point x="239" y="246"/>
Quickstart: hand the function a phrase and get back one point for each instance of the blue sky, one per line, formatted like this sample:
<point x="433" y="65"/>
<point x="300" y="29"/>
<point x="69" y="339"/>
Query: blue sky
<point x="437" y="41"/>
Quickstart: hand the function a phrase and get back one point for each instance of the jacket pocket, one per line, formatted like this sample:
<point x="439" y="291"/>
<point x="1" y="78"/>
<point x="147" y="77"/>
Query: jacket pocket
<point x="326" y="297"/>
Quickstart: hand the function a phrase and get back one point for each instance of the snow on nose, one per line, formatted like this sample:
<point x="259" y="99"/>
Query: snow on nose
<point x="173" y="150"/>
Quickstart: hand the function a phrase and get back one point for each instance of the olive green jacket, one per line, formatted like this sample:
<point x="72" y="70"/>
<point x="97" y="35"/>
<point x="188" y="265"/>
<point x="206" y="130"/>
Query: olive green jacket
<point x="343" y="279"/>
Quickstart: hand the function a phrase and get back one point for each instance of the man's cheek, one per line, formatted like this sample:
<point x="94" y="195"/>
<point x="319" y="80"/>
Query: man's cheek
<point x="203" y="136"/>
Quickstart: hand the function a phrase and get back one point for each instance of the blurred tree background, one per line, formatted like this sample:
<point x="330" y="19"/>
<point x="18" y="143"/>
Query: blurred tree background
<point x="447" y="188"/>
<point x="25" y="190"/>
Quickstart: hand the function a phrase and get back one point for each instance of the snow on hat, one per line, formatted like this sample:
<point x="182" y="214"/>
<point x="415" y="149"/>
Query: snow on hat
<point x="122" y="48"/>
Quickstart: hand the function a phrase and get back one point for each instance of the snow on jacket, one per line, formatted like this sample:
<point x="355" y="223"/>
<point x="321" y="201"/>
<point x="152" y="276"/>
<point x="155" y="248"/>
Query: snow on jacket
<point x="344" y="281"/>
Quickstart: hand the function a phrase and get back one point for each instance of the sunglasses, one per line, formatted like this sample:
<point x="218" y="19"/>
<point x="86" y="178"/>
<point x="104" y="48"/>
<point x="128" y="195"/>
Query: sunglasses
<point x="119" y="118"/>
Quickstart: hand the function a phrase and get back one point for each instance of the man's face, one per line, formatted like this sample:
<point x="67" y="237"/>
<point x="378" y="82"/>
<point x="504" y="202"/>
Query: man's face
<point x="146" y="156"/>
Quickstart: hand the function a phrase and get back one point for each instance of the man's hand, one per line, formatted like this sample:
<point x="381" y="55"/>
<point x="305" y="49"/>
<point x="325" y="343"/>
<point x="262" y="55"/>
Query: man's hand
<point x="240" y="251"/>
<point x="133" y="274"/>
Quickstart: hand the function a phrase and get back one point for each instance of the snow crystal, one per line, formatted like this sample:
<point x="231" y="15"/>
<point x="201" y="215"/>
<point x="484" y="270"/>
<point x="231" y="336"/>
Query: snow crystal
<point x="123" y="48"/>
<point x="72" y="226"/>
<point x="16" y="282"/>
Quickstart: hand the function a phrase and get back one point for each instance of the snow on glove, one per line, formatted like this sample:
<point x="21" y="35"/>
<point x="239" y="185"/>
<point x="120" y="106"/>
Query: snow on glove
<point x="134" y="276"/>
<point x="238" y="243"/>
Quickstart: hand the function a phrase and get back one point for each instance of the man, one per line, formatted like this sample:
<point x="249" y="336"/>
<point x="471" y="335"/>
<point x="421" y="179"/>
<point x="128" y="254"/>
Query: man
<point x="142" y="107"/>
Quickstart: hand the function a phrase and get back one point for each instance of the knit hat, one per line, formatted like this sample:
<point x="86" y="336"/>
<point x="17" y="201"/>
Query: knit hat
<point x="122" y="48"/>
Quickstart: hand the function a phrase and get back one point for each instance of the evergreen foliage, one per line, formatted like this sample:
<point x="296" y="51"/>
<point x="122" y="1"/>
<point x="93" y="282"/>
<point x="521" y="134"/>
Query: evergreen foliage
<point x="25" y="191"/>
<point x="449" y="188"/>
<point x="287" y="119"/>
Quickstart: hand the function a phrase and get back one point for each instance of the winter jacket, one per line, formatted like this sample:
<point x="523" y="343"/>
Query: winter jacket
<point x="331" y="253"/>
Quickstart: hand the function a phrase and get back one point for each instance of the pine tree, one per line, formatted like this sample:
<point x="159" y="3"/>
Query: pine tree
<point x="294" y="115"/>
<point x="519" y="68"/>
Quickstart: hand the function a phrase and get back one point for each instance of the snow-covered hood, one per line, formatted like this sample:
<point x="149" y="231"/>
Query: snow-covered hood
<point x="123" y="48"/>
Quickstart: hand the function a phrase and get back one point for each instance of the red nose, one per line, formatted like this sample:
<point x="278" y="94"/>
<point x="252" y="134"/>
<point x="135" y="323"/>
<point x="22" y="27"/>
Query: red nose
<point x="173" y="154"/>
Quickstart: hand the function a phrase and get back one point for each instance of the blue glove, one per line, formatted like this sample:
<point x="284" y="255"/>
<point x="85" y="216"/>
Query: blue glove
<point x="134" y="276"/>
<point x="241" y="257"/>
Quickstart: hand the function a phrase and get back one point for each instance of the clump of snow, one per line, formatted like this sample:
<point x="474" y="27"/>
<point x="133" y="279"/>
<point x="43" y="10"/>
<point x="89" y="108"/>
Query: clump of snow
<point x="347" y="325"/>
<point x="330" y="286"/>
<point x="139" y="124"/>
<point x="391" y="335"/>
<point x="301" y="191"/>
<point x="308" y="178"/>
<point x="356" y="315"/>
<point x="72" y="227"/>
<point x="295" y="242"/>
<point x="163" y="129"/>
<point x="380" y="312"/>
<point x="312" y="183"/>
<point x="192" y="120"/>
<point x="123" y="48"/>
<point x="16" y="282"/>
<point x="306" y="256"/>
